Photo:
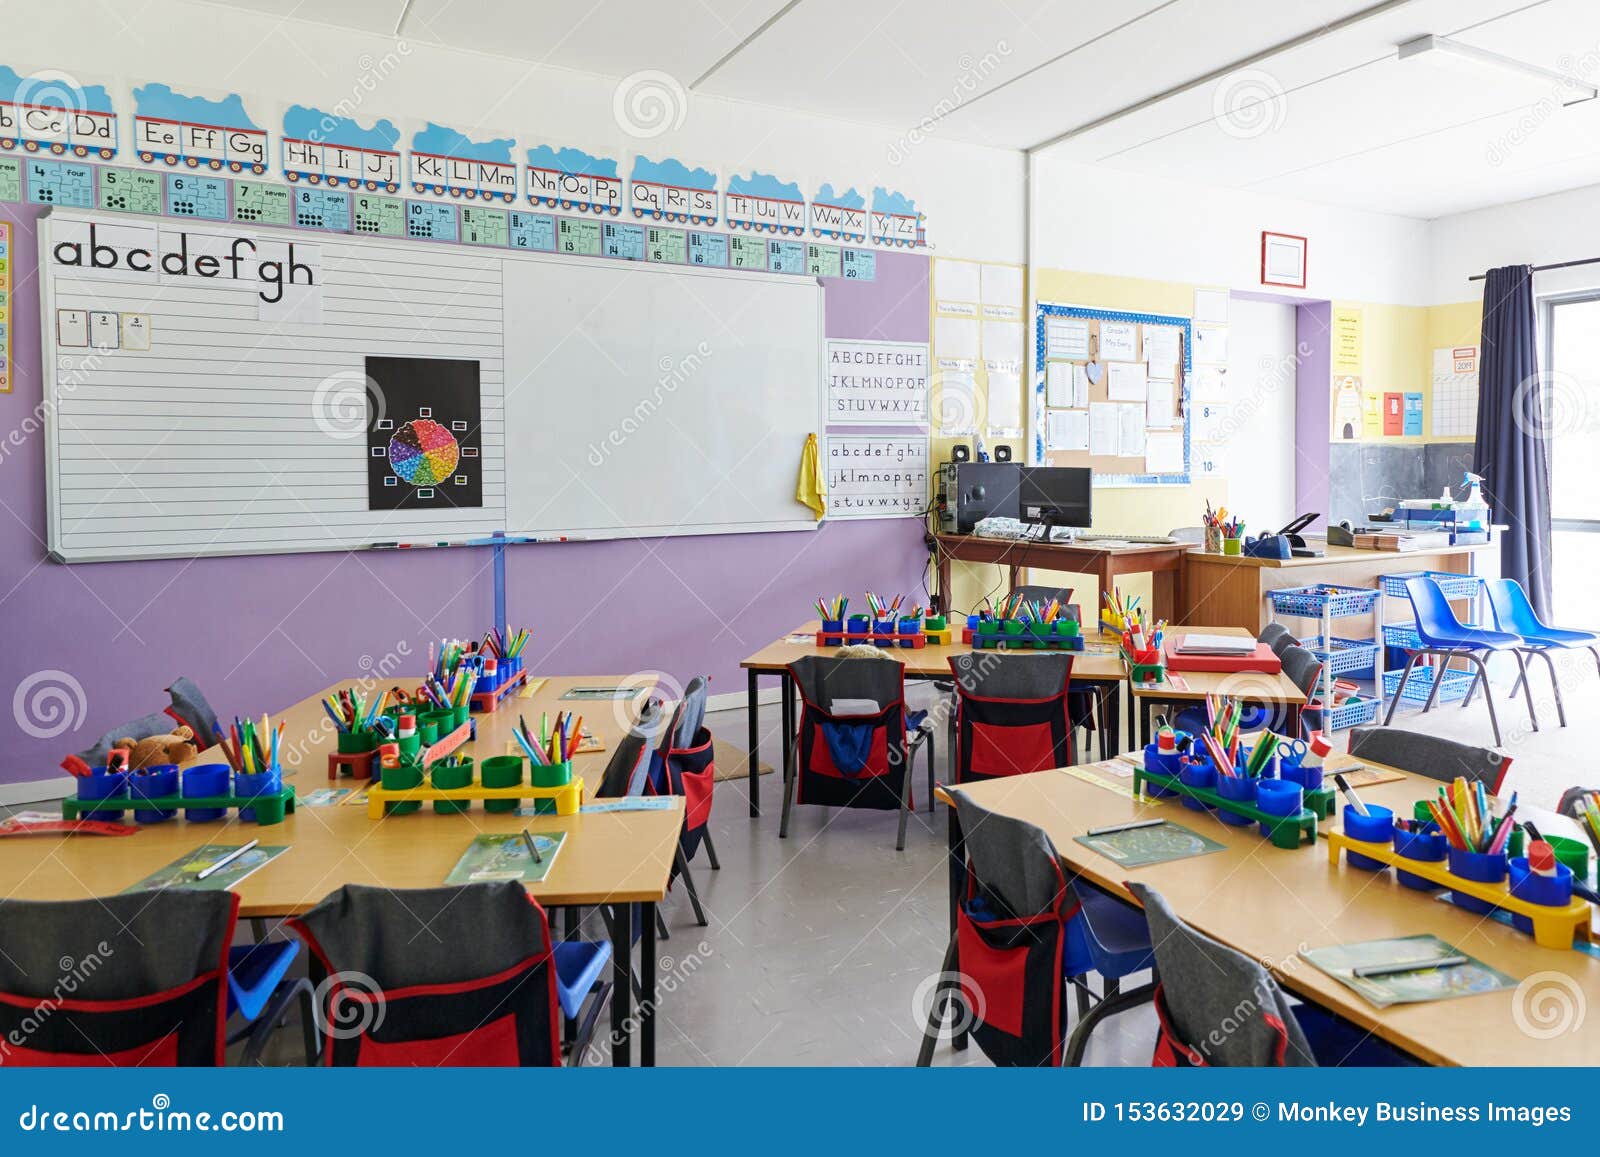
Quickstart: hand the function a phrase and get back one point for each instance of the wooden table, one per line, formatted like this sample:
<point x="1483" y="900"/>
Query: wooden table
<point x="1101" y="668"/>
<point x="1269" y="903"/>
<point x="615" y="859"/>
<point x="1232" y="590"/>
<point x="1163" y="562"/>
<point x="1252" y="686"/>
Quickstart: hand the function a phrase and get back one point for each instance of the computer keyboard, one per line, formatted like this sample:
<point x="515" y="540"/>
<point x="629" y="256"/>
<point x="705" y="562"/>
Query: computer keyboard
<point x="1106" y="536"/>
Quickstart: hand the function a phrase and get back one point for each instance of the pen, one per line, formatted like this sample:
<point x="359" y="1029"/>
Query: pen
<point x="226" y="860"/>
<point x="533" y="848"/>
<point x="1369" y="970"/>
<point x="1350" y="796"/>
<point x="1125" y="827"/>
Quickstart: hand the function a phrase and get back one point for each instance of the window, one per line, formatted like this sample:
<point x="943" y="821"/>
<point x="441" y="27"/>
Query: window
<point x="1572" y="416"/>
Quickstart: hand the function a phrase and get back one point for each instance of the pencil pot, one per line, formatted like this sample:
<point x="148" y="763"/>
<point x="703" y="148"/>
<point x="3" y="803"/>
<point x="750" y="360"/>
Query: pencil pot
<point x="1163" y="763"/>
<point x="153" y="783"/>
<point x="411" y="744"/>
<point x="1012" y="626"/>
<point x="1309" y="778"/>
<point x="101" y="784"/>
<point x="1278" y="797"/>
<point x="934" y="623"/>
<point x="458" y="717"/>
<point x="1240" y="789"/>
<point x="832" y="632"/>
<point x="860" y="624"/>
<point x="260" y="784"/>
<point x="1197" y="773"/>
<point x="1213" y="540"/>
<point x="883" y="632"/>
<point x="1232" y="546"/>
<point x="402" y="777"/>
<point x="1428" y="845"/>
<point x="356" y="742"/>
<point x="207" y="779"/>
<point x="501" y="771"/>
<point x="1067" y="628"/>
<point x="1573" y="853"/>
<point x="435" y="725"/>
<point x="550" y="775"/>
<point x="1482" y="867"/>
<point x="1376" y="827"/>
<point x="1550" y="891"/>
<point x="448" y="777"/>
<point x="988" y="626"/>
<point x="909" y="628"/>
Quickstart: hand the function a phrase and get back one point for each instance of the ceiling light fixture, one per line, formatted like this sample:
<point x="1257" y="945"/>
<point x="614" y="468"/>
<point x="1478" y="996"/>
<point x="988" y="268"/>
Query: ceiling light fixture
<point x="1574" y="91"/>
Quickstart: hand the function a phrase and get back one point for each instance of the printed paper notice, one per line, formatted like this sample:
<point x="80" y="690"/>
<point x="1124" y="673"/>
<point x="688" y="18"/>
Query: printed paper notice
<point x="1002" y="341"/>
<point x="955" y="280"/>
<point x="1163" y="453"/>
<point x="1058" y="384"/>
<point x="956" y="337"/>
<point x="957" y="408"/>
<point x="1346" y="340"/>
<point x="1119" y="341"/>
<point x="1161" y="349"/>
<point x="1130" y="419"/>
<point x="1125" y="381"/>
<point x="1159" y="410"/>
<point x="1211" y="345"/>
<point x="1069" y="430"/>
<point x="1104" y="436"/>
<point x="1066" y="338"/>
<point x="877" y="383"/>
<point x="876" y="477"/>
<point x="1005" y="399"/>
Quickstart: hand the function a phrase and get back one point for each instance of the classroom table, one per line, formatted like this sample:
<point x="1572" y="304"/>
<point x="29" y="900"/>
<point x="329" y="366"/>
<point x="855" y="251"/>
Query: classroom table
<point x="1163" y="562"/>
<point x="1185" y="687"/>
<point x="1269" y="903"/>
<point x="615" y="859"/>
<point x="1099" y="666"/>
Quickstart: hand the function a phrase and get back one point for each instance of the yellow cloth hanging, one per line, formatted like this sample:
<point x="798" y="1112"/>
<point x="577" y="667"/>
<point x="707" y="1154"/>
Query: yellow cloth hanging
<point x="809" y="489"/>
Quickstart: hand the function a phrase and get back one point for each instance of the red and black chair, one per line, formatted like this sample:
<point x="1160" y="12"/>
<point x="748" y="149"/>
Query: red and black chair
<point x="685" y="764"/>
<point x="450" y="976"/>
<point x="1082" y="702"/>
<point x="127" y="981"/>
<point x="1012" y="714"/>
<point x="852" y="748"/>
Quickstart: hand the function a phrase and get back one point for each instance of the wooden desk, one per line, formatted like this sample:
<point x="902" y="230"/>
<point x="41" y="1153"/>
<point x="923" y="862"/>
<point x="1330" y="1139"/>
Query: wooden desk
<point x="1101" y="668"/>
<point x="1163" y="562"/>
<point x="1232" y="590"/>
<point x="1269" y="903"/>
<point x="615" y="859"/>
<point x="1253" y="686"/>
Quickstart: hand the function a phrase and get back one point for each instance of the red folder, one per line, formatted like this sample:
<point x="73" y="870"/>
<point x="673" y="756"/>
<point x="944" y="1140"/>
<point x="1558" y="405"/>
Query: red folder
<point x="1262" y="659"/>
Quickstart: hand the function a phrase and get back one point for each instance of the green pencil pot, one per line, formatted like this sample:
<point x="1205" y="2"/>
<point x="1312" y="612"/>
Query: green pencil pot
<point x="410" y="745"/>
<point x="1573" y="853"/>
<point x="357" y="742"/>
<point x="550" y="775"/>
<point x="988" y="626"/>
<point x="460" y="715"/>
<point x="402" y="777"/>
<point x="1067" y="628"/>
<point x="449" y="777"/>
<point x="1012" y="626"/>
<point x="501" y="771"/>
<point x="1232" y="547"/>
<point x="934" y="623"/>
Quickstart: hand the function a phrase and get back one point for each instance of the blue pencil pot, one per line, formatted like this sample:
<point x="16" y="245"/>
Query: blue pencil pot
<point x="1278" y="797"/>
<point x="860" y="625"/>
<point x="1551" y="891"/>
<point x="1480" y="867"/>
<point x="1376" y="827"/>
<point x="1235" y="787"/>
<point x="1428" y="846"/>
<point x="883" y="632"/>
<point x="153" y="783"/>
<point x="100" y="784"/>
<point x="1197" y="773"/>
<point x="909" y="628"/>
<point x="203" y="780"/>
<point x="264" y="783"/>
<point x="1162" y="764"/>
<point x="832" y="632"/>
<point x="1309" y="778"/>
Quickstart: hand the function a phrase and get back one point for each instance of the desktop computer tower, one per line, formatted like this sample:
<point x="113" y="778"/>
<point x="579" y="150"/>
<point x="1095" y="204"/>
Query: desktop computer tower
<point x="971" y="491"/>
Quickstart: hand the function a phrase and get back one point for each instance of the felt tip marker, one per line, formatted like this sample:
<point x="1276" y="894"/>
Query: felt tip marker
<point x="1369" y="970"/>
<point x="1126" y="827"/>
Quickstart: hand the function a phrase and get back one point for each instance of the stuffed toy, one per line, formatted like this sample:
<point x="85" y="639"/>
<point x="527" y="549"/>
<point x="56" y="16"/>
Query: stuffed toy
<point x="173" y="747"/>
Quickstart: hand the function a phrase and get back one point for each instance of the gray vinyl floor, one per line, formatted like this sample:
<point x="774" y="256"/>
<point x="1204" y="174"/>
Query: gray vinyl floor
<point x="821" y="949"/>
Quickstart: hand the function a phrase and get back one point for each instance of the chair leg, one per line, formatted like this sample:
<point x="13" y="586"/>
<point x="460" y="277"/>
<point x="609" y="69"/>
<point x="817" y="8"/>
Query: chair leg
<point x="788" y="791"/>
<point x="1522" y="675"/>
<point x="931" y="784"/>
<point x="1438" y="679"/>
<point x="1488" y="697"/>
<point x="1110" y="1006"/>
<point x="694" y="893"/>
<point x="661" y="921"/>
<point x="310" y="1032"/>
<point x="905" y="810"/>
<point x="930" y="1032"/>
<point x="272" y="1017"/>
<point x="1555" y="684"/>
<point x="585" y="1031"/>
<point x="711" y="849"/>
<point x="1400" y="689"/>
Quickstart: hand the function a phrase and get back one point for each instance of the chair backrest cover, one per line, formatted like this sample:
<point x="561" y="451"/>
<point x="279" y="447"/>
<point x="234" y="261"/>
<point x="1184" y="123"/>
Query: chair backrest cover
<point x="852" y="732"/>
<point x="1430" y="755"/>
<point x="685" y="764"/>
<point x="190" y="709"/>
<point x="435" y="976"/>
<point x="1302" y="667"/>
<point x="155" y="723"/>
<point x="1010" y="937"/>
<point x="1216" y="1006"/>
<point x="1276" y="636"/>
<point x="1011" y="713"/>
<point x="628" y="770"/>
<point x="139" y="979"/>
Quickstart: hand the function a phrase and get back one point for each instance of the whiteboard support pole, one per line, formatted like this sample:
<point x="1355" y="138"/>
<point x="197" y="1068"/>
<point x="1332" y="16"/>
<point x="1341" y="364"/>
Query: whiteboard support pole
<point x="499" y="549"/>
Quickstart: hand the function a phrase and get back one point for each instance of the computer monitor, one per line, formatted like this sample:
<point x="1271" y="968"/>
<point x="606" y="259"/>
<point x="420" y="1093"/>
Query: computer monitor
<point x="1056" y="495"/>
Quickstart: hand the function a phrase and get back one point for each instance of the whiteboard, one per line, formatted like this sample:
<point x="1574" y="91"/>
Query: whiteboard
<point x="654" y="403"/>
<point x="241" y="429"/>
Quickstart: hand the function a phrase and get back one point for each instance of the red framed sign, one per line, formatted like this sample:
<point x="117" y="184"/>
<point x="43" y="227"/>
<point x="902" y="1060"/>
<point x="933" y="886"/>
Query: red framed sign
<point x="1283" y="260"/>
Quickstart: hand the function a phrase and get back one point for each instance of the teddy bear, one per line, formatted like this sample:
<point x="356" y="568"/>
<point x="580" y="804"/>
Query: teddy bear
<point x="156" y="750"/>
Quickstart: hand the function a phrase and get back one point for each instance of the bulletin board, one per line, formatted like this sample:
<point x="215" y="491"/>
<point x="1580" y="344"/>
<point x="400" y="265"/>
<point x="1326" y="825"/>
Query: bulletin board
<point x="1072" y="357"/>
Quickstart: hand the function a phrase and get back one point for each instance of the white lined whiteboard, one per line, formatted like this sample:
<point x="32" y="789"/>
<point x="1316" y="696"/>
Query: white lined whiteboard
<point x="242" y="430"/>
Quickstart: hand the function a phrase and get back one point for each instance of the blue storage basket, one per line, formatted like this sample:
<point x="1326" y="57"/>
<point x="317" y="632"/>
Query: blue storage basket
<point x="1346" y="656"/>
<point x="1420" y="684"/>
<point x="1455" y="586"/>
<point x="1351" y="713"/>
<point x="1311" y="602"/>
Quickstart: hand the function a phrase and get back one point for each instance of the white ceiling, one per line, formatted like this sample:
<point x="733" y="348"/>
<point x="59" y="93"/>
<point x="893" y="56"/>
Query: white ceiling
<point x="1338" y="118"/>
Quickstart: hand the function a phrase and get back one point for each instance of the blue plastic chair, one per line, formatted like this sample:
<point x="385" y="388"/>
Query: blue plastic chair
<point x="259" y="993"/>
<point x="1513" y="612"/>
<point x="1446" y="637"/>
<point x="1108" y="936"/>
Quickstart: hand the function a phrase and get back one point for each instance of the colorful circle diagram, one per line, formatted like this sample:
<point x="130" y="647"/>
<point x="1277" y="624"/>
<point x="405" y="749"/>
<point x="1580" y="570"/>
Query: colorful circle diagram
<point x="423" y="452"/>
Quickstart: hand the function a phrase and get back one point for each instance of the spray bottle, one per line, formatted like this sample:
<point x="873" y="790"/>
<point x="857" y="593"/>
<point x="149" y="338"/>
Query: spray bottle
<point x="1472" y="513"/>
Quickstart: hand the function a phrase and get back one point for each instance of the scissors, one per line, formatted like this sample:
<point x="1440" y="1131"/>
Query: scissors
<point x="1291" y="752"/>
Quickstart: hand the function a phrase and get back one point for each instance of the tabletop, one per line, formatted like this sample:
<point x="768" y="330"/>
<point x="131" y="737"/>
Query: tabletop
<point x="1270" y="903"/>
<point x="1256" y="686"/>
<point x="616" y="857"/>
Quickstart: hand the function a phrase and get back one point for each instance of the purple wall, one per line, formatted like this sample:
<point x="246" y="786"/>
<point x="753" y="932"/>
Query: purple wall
<point x="259" y="633"/>
<point x="1313" y="322"/>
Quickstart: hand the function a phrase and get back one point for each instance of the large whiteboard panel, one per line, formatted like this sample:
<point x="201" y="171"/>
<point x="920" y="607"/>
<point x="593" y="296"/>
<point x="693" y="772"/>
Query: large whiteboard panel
<point x="650" y="402"/>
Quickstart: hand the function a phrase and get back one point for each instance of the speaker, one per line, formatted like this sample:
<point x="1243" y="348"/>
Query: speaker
<point x="961" y="452"/>
<point x="1002" y="452"/>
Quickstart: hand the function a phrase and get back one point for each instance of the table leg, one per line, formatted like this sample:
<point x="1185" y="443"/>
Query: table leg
<point x="647" y="982"/>
<point x="958" y="885"/>
<point x="788" y="721"/>
<point x="1111" y="720"/>
<point x="622" y="981"/>
<point x="755" y="743"/>
<point x="944" y="579"/>
<point x="1133" y="720"/>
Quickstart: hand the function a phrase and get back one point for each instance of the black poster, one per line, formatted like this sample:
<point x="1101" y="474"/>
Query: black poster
<point x="424" y="439"/>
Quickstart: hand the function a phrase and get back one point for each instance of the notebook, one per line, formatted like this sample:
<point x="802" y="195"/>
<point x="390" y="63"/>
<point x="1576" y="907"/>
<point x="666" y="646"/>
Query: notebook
<point x="1216" y="645"/>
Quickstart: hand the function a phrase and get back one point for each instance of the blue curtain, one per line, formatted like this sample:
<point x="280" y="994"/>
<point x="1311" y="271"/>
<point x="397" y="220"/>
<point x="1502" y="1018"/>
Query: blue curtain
<point x="1511" y="452"/>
